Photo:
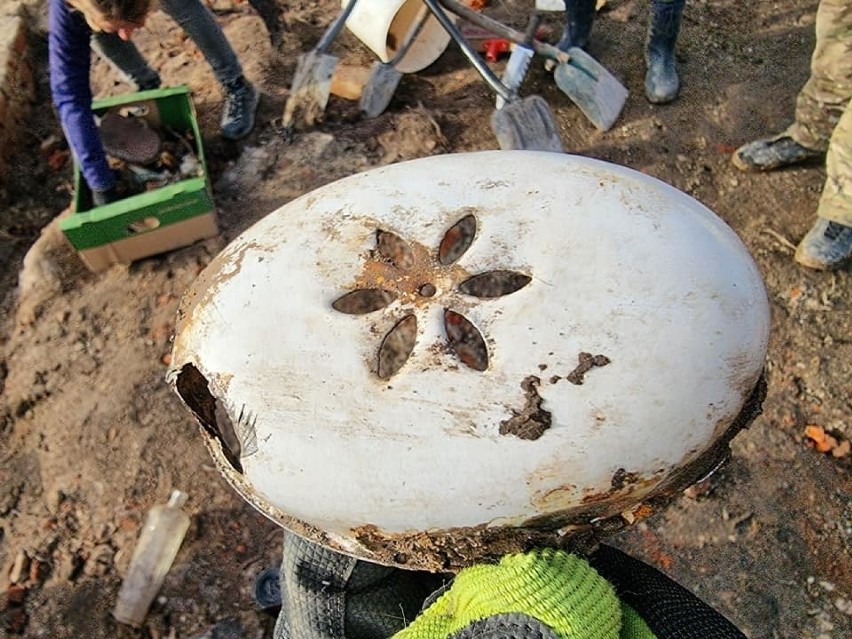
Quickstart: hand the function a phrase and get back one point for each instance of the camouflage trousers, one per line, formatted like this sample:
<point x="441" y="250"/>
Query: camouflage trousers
<point x="824" y="107"/>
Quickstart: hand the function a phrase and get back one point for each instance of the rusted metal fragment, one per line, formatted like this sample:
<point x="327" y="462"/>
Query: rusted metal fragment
<point x="623" y="484"/>
<point x="466" y="340"/>
<point x="457" y="240"/>
<point x="494" y="284"/>
<point x="532" y="420"/>
<point x="407" y="269"/>
<point x="454" y="549"/>
<point x="622" y="478"/>
<point x="587" y="361"/>
<point x="397" y="346"/>
<point x="363" y="300"/>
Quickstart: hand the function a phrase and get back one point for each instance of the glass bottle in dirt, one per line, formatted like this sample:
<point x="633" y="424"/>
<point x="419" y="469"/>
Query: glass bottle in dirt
<point x="158" y="544"/>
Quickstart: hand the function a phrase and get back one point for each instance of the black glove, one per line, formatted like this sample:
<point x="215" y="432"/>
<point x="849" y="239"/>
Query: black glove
<point x="99" y="198"/>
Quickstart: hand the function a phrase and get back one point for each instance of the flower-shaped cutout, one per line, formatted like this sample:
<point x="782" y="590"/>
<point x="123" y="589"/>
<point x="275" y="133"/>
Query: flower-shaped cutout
<point x="409" y="273"/>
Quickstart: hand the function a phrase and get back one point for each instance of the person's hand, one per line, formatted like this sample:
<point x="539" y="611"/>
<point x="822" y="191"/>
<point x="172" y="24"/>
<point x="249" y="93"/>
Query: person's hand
<point x="99" y="198"/>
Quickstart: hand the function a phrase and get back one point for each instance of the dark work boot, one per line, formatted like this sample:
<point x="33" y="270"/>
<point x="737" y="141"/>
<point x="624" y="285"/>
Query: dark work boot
<point x="827" y="246"/>
<point x="661" y="81"/>
<point x="241" y="98"/>
<point x="579" y="17"/>
<point x="767" y="154"/>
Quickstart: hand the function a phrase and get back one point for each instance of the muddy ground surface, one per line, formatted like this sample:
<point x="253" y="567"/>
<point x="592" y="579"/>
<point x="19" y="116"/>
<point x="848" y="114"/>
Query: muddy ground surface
<point x="91" y="437"/>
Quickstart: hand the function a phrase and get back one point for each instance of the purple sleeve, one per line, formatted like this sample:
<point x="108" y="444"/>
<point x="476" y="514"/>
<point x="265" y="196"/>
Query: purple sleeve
<point x="69" y="63"/>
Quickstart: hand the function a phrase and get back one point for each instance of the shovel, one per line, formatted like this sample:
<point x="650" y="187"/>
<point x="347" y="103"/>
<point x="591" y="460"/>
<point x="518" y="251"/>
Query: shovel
<point x="385" y="77"/>
<point x="311" y="86"/>
<point x="598" y="93"/>
<point x="521" y="123"/>
<point x="519" y="60"/>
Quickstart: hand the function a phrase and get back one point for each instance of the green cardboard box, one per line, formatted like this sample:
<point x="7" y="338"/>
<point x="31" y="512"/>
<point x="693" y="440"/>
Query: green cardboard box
<point x="153" y="222"/>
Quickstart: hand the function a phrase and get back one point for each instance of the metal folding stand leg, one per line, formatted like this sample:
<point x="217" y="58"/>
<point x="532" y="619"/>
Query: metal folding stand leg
<point x="522" y="123"/>
<point x="588" y="84"/>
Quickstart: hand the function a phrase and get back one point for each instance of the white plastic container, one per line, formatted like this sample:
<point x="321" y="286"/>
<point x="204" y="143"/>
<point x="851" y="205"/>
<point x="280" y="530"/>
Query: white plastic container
<point x="159" y="541"/>
<point x="384" y="25"/>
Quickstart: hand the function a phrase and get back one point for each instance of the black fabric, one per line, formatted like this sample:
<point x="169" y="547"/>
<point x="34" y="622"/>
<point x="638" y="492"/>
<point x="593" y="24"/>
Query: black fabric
<point x="313" y="582"/>
<point x="329" y="595"/>
<point x="381" y="601"/>
<point x="669" y="609"/>
<point x="512" y="625"/>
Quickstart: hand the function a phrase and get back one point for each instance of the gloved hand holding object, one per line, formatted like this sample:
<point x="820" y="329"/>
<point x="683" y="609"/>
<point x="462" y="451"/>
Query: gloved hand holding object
<point x="541" y="594"/>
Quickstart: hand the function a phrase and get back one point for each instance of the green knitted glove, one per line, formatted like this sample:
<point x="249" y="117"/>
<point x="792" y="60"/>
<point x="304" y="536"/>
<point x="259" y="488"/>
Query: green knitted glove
<point x="560" y="590"/>
<point x="633" y="626"/>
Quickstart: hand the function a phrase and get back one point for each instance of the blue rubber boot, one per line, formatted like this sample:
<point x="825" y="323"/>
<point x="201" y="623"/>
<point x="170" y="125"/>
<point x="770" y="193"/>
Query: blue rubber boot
<point x="579" y="17"/>
<point x="661" y="81"/>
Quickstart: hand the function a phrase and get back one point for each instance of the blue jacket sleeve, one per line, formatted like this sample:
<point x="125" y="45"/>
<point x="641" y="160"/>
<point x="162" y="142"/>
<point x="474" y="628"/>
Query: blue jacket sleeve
<point x="70" y="64"/>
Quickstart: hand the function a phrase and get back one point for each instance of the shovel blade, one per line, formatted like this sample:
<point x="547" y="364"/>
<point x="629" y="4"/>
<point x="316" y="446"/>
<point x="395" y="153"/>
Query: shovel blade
<point x="516" y="71"/>
<point x="591" y="87"/>
<point x="311" y="88"/>
<point x="526" y="124"/>
<point x="379" y="90"/>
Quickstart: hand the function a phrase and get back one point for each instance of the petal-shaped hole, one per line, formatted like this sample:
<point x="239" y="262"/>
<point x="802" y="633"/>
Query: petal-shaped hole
<point x="466" y="340"/>
<point x="494" y="284"/>
<point x="394" y="249"/>
<point x="363" y="300"/>
<point x="457" y="240"/>
<point x="397" y="346"/>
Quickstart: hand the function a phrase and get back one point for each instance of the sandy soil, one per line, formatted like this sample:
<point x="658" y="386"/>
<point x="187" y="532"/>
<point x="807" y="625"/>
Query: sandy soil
<point x="91" y="437"/>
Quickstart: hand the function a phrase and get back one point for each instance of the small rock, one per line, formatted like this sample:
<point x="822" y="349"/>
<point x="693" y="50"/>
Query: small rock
<point x="20" y="569"/>
<point x="99" y="562"/>
<point x="827" y="586"/>
<point x="843" y="605"/>
<point x="16" y="594"/>
<point x="16" y="621"/>
<point x="842" y="449"/>
<point x="50" y="144"/>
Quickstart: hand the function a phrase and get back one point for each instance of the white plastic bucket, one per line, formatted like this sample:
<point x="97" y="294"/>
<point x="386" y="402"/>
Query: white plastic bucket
<point x="384" y="25"/>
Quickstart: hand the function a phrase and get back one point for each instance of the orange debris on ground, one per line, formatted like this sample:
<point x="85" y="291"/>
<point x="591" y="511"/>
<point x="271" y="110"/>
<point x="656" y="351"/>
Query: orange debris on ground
<point x="823" y="442"/>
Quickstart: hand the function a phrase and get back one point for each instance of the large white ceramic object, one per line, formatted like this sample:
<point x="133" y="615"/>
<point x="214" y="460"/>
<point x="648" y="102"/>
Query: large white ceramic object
<point x="616" y="331"/>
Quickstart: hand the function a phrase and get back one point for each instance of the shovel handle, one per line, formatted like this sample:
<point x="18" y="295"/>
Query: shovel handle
<point x="501" y="30"/>
<point x="334" y="28"/>
<point x="487" y="74"/>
